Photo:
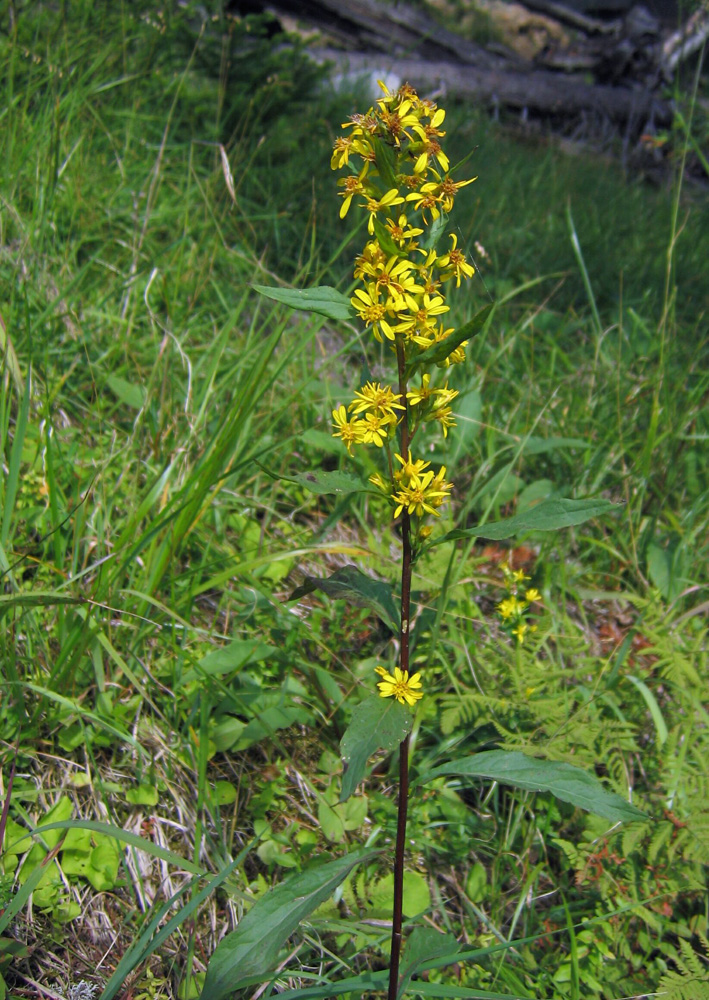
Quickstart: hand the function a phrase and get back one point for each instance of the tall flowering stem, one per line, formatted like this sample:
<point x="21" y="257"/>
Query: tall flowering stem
<point x="399" y="176"/>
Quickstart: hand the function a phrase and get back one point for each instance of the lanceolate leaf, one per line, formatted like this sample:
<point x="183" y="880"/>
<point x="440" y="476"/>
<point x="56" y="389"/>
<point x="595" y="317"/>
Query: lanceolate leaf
<point x="323" y="299"/>
<point x="249" y="953"/>
<point x="549" y="515"/>
<point x="329" y="482"/>
<point x="439" y="352"/>
<point x="350" y="584"/>
<point x="377" y="724"/>
<point x="566" y="782"/>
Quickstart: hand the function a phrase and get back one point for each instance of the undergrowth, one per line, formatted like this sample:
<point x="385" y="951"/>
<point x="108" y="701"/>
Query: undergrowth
<point x="155" y="677"/>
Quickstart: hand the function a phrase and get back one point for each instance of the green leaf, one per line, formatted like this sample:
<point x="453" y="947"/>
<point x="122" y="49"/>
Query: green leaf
<point x="351" y="585"/>
<point x="423" y="944"/>
<point x="386" y="162"/>
<point x="439" y="352"/>
<point x="329" y="482"/>
<point x="377" y="724"/>
<point x="230" y="658"/>
<point x="323" y="300"/>
<point x="566" y="782"/>
<point x="550" y="515"/>
<point x="436" y="230"/>
<point x="142" y="795"/>
<point x="653" y="708"/>
<point x="417" y="895"/>
<point x="127" y="392"/>
<point x="387" y="244"/>
<point x="539" y="445"/>
<point x="251" y="951"/>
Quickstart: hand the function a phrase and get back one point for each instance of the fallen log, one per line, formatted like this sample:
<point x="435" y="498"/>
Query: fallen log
<point x="537" y="91"/>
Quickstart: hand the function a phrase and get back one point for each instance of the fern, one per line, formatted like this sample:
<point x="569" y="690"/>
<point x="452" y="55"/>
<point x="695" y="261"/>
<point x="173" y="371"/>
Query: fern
<point x="691" y="980"/>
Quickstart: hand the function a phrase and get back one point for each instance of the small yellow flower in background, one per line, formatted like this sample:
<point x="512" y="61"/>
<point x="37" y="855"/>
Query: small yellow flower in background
<point x="510" y="608"/>
<point x="514" y="610"/>
<point x="520" y="631"/>
<point x="400" y="686"/>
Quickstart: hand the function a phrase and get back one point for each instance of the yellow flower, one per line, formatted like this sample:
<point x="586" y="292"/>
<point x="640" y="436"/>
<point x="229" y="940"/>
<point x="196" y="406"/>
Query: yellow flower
<point x="351" y="431"/>
<point x="400" y="686"/>
<point x="511" y="607"/>
<point x="423" y="495"/>
<point x="372" y="311"/>
<point x="520" y="631"/>
<point x="453" y="264"/>
<point x="427" y="199"/>
<point x="374" y="205"/>
<point x="351" y="186"/>
<point x="421" y="321"/>
<point x="422" y="394"/>
<point x="444" y="415"/>
<point x="377" y="398"/>
<point x="401" y="231"/>
<point x="532" y="595"/>
<point x="410" y="468"/>
<point x="375" y="429"/>
<point x="449" y="189"/>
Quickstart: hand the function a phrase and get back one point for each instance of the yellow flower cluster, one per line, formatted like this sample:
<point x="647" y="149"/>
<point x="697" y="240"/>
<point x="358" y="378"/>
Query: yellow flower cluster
<point x="513" y="611"/>
<point x="400" y="178"/>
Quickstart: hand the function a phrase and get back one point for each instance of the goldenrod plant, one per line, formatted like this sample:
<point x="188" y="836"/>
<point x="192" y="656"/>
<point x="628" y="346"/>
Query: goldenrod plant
<point x="400" y="178"/>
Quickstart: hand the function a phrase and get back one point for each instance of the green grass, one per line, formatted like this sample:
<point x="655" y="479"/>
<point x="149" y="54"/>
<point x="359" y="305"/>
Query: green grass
<point x="154" y="675"/>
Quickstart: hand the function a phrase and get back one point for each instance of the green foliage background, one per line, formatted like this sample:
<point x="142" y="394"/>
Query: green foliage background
<point x="153" y="673"/>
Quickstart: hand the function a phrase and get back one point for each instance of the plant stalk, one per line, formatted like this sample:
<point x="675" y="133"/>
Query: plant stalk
<point x="397" y="916"/>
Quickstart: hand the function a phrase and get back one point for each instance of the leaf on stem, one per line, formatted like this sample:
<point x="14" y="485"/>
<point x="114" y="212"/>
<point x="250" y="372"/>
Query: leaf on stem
<point x="377" y="724"/>
<point x="440" y="351"/>
<point x="550" y="515"/>
<point x="351" y="585"/>
<point x="422" y="945"/>
<point x="249" y="953"/>
<point x="566" y="782"/>
<point x="323" y="300"/>
<point x="329" y="482"/>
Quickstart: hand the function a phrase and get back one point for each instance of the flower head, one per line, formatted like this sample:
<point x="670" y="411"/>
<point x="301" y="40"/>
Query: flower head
<point x="400" y="686"/>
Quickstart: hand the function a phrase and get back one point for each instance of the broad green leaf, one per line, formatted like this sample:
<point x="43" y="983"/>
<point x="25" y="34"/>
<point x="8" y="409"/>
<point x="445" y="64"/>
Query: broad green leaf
<point x="329" y="482"/>
<point x="549" y="515"/>
<point x="439" y="352"/>
<point x="269" y="721"/>
<point x="251" y="951"/>
<point x="127" y="392"/>
<point x="142" y="795"/>
<point x="127" y="837"/>
<point x="230" y="658"/>
<point x="423" y="944"/>
<point x="323" y="300"/>
<point x="377" y="724"/>
<point x="566" y="782"/>
<point x="351" y="585"/>
<point x="380" y="895"/>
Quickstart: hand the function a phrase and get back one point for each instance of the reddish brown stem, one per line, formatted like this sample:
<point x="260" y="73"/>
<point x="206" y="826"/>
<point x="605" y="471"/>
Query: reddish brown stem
<point x="397" y="916"/>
